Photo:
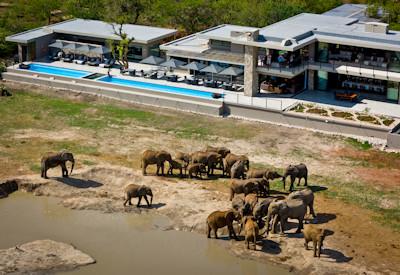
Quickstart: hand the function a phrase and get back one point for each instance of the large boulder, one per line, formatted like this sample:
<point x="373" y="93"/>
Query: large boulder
<point x="42" y="256"/>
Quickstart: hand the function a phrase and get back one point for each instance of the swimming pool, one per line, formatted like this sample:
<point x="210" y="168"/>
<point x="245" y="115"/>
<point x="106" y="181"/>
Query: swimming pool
<point x="156" y="87"/>
<point x="46" y="69"/>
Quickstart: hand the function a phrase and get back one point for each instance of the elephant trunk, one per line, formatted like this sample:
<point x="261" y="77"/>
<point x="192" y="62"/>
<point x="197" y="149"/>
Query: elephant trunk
<point x="267" y="220"/>
<point x="72" y="167"/>
<point x="151" y="199"/>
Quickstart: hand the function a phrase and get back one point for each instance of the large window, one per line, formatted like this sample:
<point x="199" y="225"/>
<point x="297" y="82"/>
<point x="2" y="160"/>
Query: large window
<point x="323" y="52"/>
<point x="134" y="53"/>
<point x="393" y="91"/>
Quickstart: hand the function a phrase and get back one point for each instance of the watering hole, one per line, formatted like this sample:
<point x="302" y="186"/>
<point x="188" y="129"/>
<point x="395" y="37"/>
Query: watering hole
<point x="120" y="243"/>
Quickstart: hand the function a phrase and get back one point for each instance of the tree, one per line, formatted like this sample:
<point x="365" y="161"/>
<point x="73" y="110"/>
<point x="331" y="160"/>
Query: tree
<point x="86" y="9"/>
<point x="122" y="47"/>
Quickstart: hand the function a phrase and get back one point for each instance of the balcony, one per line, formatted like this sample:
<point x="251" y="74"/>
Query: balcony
<point x="282" y="69"/>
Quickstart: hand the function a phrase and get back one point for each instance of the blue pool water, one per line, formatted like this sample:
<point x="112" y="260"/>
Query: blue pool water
<point x="155" y="87"/>
<point x="57" y="71"/>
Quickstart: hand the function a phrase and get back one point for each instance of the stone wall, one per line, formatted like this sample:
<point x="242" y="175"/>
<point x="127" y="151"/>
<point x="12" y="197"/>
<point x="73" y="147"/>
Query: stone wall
<point x="250" y="71"/>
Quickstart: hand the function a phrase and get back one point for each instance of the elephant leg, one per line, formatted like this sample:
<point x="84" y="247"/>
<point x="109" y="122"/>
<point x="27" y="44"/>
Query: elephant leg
<point x="255" y="241"/>
<point x="232" y="231"/>
<point x="64" y="170"/>
<point x="282" y="221"/>
<point x="208" y="231"/>
<point x="292" y="180"/>
<point x="298" y="183"/>
<point x="311" y="206"/>
<point x="315" y="248"/>
<point x="162" y="168"/>
<point x="284" y="183"/>
<point x="144" y="166"/>
<point x="140" y="199"/>
<point x="130" y="200"/>
<point x="158" y="169"/>
<point x="126" y="201"/>
<point x="216" y="234"/>
<point x="305" y="244"/>
<point x="305" y="178"/>
<point x="300" y="227"/>
<point x="147" y="201"/>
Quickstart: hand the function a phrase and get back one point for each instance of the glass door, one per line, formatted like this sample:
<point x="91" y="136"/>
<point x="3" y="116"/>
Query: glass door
<point x="322" y="81"/>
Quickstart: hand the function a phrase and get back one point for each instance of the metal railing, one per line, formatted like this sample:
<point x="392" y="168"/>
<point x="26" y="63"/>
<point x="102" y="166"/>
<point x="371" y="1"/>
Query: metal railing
<point x="332" y="65"/>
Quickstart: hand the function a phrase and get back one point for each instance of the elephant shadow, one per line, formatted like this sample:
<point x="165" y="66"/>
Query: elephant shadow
<point x="338" y="256"/>
<point x="323" y="218"/>
<point x="279" y="193"/>
<point x="317" y="188"/>
<point x="271" y="247"/>
<point x="80" y="183"/>
<point x="157" y="205"/>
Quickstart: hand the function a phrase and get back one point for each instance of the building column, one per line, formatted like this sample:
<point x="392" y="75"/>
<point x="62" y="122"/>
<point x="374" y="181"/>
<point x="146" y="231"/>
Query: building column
<point x="145" y="51"/>
<point x="311" y="52"/>
<point x="311" y="80"/>
<point x="250" y="73"/>
<point x="20" y="54"/>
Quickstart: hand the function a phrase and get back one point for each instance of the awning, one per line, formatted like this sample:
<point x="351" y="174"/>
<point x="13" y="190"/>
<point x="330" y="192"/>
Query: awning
<point x="152" y="60"/>
<point x="173" y="63"/>
<point x="195" y="66"/>
<point x="57" y="44"/>
<point x="100" y="50"/>
<point x="232" y="71"/>
<point x="214" y="69"/>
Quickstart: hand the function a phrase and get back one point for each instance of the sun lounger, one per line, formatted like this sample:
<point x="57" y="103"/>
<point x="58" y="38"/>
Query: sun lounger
<point x="94" y="62"/>
<point x="152" y="75"/>
<point x="172" y="78"/>
<point x="24" y="66"/>
<point x="68" y="58"/>
<point x="81" y="60"/>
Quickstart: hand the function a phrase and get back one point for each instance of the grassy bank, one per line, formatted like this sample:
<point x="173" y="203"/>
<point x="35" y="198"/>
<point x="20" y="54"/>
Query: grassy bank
<point x="35" y="113"/>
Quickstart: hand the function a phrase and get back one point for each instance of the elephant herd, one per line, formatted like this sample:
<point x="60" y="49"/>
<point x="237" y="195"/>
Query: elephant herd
<point x="255" y="210"/>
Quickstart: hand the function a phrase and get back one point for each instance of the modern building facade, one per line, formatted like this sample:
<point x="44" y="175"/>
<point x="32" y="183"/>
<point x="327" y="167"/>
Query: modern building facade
<point x="33" y="44"/>
<point x="339" y="50"/>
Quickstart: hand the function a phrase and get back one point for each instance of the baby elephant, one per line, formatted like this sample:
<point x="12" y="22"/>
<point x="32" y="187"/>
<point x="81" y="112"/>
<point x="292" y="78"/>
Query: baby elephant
<point x="138" y="191"/>
<point x="219" y="219"/>
<point x="250" y="231"/>
<point x="196" y="169"/>
<point x="316" y="235"/>
<point x="178" y="165"/>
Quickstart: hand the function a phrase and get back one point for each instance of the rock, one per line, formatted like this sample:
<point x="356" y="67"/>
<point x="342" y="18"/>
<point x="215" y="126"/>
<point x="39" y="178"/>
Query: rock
<point x="40" y="256"/>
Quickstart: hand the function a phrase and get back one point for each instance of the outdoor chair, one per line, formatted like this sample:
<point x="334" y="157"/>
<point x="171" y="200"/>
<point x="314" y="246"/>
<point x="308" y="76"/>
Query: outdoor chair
<point x="81" y="60"/>
<point x="24" y="66"/>
<point x="132" y="72"/>
<point x="94" y="62"/>
<point x="152" y="75"/>
<point x="172" y="78"/>
<point x="68" y="58"/>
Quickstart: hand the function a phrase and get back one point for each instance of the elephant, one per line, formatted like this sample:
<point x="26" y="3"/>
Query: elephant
<point x="178" y="165"/>
<point x="230" y="159"/>
<point x="251" y="231"/>
<point x="294" y="209"/>
<point x="315" y="234"/>
<point x="138" y="191"/>
<point x="196" y="169"/>
<point x="251" y="200"/>
<point x="260" y="210"/>
<point x="307" y="196"/>
<point x="237" y="203"/>
<point x="51" y="160"/>
<point x="223" y="151"/>
<point x="243" y="186"/>
<point x="154" y="157"/>
<point x="185" y="157"/>
<point x="298" y="171"/>
<point x="210" y="159"/>
<point x="219" y="219"/>
<point x="263" y="173"/>
<point x="238" y="170"/>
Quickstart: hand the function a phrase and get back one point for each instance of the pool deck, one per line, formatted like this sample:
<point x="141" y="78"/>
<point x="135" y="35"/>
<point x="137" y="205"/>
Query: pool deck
<point x="265" y="101"/>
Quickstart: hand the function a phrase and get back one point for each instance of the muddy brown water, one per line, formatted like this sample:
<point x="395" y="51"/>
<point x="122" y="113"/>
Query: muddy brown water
<point x="120" y="243"/>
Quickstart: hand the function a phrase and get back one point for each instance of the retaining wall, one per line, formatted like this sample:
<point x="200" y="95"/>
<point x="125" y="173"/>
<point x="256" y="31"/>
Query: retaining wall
<point x="292" y="119"/>
<point x="102" y="89"/>
<point x="393" y="139"/>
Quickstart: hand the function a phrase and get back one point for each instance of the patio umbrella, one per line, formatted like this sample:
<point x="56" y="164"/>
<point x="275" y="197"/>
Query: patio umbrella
<point x="82" y="48"/>
<point x="173" y="63"/>
<point x="213" y="69"/>
<point x="152" y="60"/>
<point x="70" y="47"/>
<point x="101" y="50"/>
<point x="58" y="44"/>
<point x="232" y="71"/>
<point x="194" y="66"/>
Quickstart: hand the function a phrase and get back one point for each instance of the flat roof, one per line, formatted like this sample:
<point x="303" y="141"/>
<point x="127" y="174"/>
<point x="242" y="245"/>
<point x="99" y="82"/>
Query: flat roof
<point x="101" y="29"/>
<point x="94" y="28"/>
<point x="223" y="32"/>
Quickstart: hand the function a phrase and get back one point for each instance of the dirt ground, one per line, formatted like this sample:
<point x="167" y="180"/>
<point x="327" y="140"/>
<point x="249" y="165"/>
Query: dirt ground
<point x="358" y="244"/>
<point x="187" y="205"/>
